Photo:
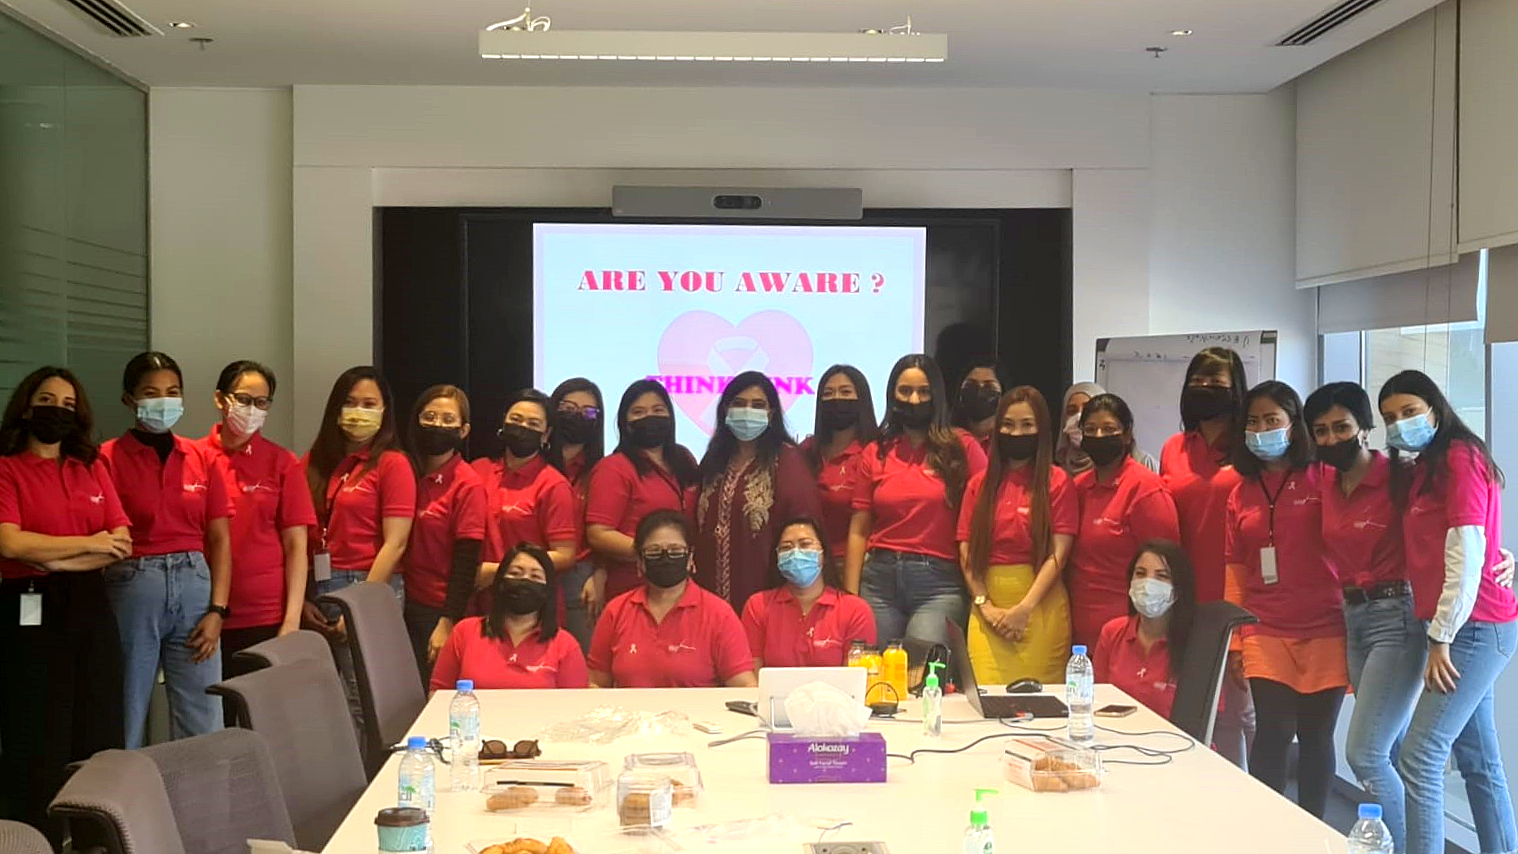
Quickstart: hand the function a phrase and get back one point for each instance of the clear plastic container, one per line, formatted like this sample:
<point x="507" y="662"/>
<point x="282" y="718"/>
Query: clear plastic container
<point x="680" y="768"/>
<point x="537" y="785"/>
<point x="1045" y="764"/>
<point x="644" y="801"/>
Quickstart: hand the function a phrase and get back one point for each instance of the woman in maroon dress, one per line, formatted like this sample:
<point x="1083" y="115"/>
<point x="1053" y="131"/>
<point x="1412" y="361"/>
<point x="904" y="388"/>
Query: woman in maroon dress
<point x="752" y="478"/>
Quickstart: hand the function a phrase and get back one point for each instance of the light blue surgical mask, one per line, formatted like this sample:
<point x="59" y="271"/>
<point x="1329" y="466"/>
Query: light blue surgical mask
<point x="747" y="424"/>
<point x="159" y="414"/>
<point x="1411" y="434"/>
<point x="801" y="566"/>
<point x="1269" y="444"/>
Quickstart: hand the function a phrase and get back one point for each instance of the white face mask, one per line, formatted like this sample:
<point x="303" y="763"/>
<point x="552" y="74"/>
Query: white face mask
<point x="1073" y="428"/>
<point x="1151" y="596"/>
<point x="245" y="420"/>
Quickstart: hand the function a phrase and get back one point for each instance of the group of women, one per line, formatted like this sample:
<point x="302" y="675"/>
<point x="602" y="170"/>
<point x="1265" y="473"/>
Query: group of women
<point x="561" y="565"/>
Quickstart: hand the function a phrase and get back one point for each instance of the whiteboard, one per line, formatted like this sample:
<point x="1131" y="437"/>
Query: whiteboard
<point x="1147" y="372"/>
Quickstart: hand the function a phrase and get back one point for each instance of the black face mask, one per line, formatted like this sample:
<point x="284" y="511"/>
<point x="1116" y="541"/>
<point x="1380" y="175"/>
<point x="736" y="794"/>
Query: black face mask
<point x="1341" y="455"/>
<point x="521" y="441"/>
<point x="50" y="424"/>
<point x="1200" y="403"/>
<point x="666" y="572"/>
<point x="1104" y="450"/>
<point x="521" y="597"/>
<point x="1019" y="448"/>
<point x="840" y="413"/>
<point x="913" y="416"/>
<point x="978" y="402"/>
<point x="436" y="441"/>
<point x="651" y="431"/>
<point x="573" y="428"/>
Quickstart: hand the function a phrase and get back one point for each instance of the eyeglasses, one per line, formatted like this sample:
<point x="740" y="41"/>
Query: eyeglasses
<point x="806" y="545"/>
<point x="248" y="400"/>
<point x="666" y="552"/>
<point x="589" y="413"/>
<point x="434" y="419"/>
<point x="493" y="750"/>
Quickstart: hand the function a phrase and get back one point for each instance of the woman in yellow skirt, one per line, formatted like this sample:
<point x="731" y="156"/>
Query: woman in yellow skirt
<point x="1016" y="524"/>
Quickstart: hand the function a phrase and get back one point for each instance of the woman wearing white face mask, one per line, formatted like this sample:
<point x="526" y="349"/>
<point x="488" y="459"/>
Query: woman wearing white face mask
<point x="1068" y="453"/>
<point x="807" y="621"/>
<point x="170" y="597"/>
<point x="1141" y="653"/>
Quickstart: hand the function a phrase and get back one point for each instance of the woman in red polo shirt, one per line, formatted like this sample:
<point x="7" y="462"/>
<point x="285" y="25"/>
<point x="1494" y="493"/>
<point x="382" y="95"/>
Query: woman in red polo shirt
<point x="1141" y="652"/>
<point x="807" y="621"/>
<point x="976" y="401"/>
<point x="668" y="632"/>
<point x="170" y="597"/>
<point x="752" y="478"/>
<point x="903" y="557"/>
<point x="844" y="425"/>
<point x="1294" y="658"/>
<point x="1451" y="499"/>
<point x="61" y="522"/>
<point x="1197" y="467"/>
<point x="533" y="502"/>
<point x="576" y="442"/>
<point x="1016" y="526"/>
<point x="519" y="643"/>
<point x="1122" y="504"/>
<point x="648" y="471"/>
<point x="443" y="552"/>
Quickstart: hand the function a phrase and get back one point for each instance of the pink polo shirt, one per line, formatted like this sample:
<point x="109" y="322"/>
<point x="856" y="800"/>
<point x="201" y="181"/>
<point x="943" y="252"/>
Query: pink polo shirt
<point x="498" y="663"/>
<point x="1144" y="675"/>
<point x="1306" y="602"/>
<point x="359" y="502"/>
<point x="700" y="643"/>
<point x="450" y="506"/>
<point x="1200" y="478"/>
<point x="906" y="499"/>
<point x="1466" y="494"/>
<point x="170" y="502"/>
<point x="1362" y="531"/>
<point x="779" y="635"/>
<point x="71" y="499"/>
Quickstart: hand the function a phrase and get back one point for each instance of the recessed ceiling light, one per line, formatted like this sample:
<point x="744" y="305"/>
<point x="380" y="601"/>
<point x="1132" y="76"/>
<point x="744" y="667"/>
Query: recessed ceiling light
<point x="182" y="25"/>
<point x="1180" y="32"/>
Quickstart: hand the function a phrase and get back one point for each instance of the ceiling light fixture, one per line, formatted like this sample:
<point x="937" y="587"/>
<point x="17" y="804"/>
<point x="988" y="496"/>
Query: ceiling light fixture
<point x="1180" y="32"/>
<point x="182" y="25"/>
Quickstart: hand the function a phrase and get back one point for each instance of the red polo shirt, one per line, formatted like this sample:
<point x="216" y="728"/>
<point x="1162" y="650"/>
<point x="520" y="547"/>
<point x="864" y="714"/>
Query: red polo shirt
<point x="1121" y="660"/>
<point x="450" y="506"/>
<point x="535" y="504"/>
<point x="1116" y="518"/>
<point x="41" y="496"/>
<point x="579" y="483"/>
<point x="490" y="477"/>
<point x="360" y="501"/>
<point x="700" y="644"/>
<point x="1465" y="494"/>
<point x="170" y="502"/>
<point x="906" y="499"/>
<point x="269" y="494"/>
<point x="1200" y="478"/>
<point x="618" y="497"/>
<point x="1011" y="536"/>
<point x="836" y="482"/>
<point x="1306" y="602"/>
<point x="1362" y="532"/>
<point x="497" y="663"/>
<point x="781" y="636"/>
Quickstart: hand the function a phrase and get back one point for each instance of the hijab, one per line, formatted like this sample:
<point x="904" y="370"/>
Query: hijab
<point x="1067" y="449"/>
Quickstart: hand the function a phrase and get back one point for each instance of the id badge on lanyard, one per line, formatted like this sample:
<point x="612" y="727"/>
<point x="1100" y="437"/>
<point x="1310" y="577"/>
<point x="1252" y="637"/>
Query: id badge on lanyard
<point x="31" y="606"/>
<point x="321" y="561"/>
<point x="1270" y="573"/>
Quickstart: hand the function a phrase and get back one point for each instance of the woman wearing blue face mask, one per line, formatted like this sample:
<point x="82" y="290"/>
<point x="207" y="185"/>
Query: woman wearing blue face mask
<point x="752" y="477"/>
<point x="1294" y="658"/>
<point x="806" y="621"/>
<point x="170" y="597"/>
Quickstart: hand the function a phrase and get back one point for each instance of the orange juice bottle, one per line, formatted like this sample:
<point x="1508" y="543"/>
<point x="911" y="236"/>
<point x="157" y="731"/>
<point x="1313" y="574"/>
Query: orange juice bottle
<point x="894" y="673"/>
<point x="873" y="679"/>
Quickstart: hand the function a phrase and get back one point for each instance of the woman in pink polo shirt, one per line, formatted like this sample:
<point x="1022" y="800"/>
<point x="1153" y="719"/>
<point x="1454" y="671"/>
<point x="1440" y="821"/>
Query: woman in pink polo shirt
<point x="1451" y="500"/>
<point x="576" y="442"/>
<point x="1294" y="658"/>
<point x="1141" y="652"/>
<point x="903" y="555"/>
<point x="519" y="643"/>
<point x="170" y="597"/>
<point x="61" y="522"/>
<point x="668" y="632"/>
<point x="844" y="424"/>
<point x="807" y="621"/>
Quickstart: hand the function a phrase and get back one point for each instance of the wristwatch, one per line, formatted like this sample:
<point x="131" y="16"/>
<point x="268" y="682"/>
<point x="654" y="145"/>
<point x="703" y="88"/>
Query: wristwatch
<point x="223" y="610"/>
<point x="980" y="600"/>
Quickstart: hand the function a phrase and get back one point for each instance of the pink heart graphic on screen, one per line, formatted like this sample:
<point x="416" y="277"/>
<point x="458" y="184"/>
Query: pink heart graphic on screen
<point x="699" y="345"/>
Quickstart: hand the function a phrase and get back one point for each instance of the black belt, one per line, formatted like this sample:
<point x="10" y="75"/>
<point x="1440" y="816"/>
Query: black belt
<point x="1382" y="590"/>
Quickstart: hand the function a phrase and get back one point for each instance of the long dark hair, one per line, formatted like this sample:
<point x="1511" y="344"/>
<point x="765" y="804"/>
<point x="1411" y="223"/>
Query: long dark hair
<point x="1449" y="430"/>
<point x="1117" y="408"/>
<point x="1039" y="523"/>
<point x="1212" y="362"/>
<point x="331" y="446"/>
<point x="865" y="428"/>
<point x="719" y="451"/>
<point x="1183" y="581"/>
<point x="957" y="416"/>
<point x="946" y="455"/>
<point x="1299" y="455"/>
<point x="494" y="624"/>
<point x="414" y="426"/>
<point x="829" y="569"/>
<point x="680" y="462"/>
<point x="594" y="449"/>
<point x="79" y="443"/>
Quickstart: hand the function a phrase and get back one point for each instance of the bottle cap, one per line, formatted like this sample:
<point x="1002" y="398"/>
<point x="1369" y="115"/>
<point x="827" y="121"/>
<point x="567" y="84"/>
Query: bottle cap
<point x="1370" y="811"/>
<point x="978" y="816"/>
<point x="1078" y="649"/>
<point x="464" y="685"/>
<point x="416" y="742"/>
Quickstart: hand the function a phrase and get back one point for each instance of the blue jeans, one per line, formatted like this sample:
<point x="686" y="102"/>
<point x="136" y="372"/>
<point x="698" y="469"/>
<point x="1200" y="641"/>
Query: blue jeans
<point x="158" y="600"/>
<point x="1462" y="723"/>
<point x="576" y="618"/>
<point x="912" y="595"/>
<point x="1387" y="651"/>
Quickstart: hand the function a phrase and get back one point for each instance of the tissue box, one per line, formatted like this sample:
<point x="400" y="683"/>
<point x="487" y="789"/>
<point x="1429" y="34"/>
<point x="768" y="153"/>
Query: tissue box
<point x="808" y="759"/>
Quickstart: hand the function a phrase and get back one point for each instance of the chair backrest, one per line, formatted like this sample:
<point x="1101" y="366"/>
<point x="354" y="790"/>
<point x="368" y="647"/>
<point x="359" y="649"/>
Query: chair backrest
<point x="284" y="649"/>
<point x="120" y="797"/>
<point x="389" y="683"/>
<point x="224" y="791"/>
<point x="300" y="709"/>
<point x="18" y="838"/>
<point x="1203" y="665"/>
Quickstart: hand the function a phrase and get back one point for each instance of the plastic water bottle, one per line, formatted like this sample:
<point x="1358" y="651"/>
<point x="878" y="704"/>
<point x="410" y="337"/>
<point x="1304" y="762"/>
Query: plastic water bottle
<point x="418" y="786"/>
<point x="464" y="731"/>
<point x="1370" y="835"/>
<point x="1080" y="686"/>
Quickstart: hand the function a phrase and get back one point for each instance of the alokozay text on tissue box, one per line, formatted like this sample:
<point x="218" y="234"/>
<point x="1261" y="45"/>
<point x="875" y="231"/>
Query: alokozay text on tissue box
<point x="816" y="759"/>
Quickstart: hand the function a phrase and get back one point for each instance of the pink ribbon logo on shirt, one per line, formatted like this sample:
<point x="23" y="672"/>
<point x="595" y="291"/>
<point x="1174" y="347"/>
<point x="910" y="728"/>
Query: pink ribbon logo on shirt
<point x="699" y="347"/>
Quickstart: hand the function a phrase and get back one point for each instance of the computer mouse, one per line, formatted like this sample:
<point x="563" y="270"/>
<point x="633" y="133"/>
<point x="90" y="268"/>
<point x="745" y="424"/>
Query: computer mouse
<point x="1025" y="686"/>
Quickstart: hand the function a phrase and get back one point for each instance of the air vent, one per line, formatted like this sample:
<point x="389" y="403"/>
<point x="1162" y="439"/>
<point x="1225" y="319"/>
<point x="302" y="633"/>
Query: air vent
<point x="117" y="19"/>
<point x="1326" y="23"/>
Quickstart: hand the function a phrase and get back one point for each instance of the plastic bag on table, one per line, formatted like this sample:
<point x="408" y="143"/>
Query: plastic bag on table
<point x="775" y="827"/>
<point x="610" y="724"/>
<point x="819" y="709"/>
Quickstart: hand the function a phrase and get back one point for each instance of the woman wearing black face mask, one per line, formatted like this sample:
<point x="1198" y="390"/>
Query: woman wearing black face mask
<point x="575" y="444"/>
<point x="902" y="554"/>
<point x="443" y="555"/>
<point x="975" y="405"/>
<point x="1016" y="526"/>
<point x="845" y="424"/>
<point x="519" y="643"/>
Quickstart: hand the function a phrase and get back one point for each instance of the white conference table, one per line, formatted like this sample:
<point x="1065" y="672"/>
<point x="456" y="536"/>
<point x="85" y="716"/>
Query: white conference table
<point x="1199" y="801"/>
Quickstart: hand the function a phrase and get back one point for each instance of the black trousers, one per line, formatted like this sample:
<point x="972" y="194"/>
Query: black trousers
<point x="421" y="620"/>
<point x="234" y="641"/>
<point x="62" y="695"/>
<point x="1282" y="714"/>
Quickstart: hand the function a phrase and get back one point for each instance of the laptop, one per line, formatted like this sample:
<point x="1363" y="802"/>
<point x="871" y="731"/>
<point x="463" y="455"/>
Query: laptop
<point x="777" y="683"/>
<point x="993" y="706"/>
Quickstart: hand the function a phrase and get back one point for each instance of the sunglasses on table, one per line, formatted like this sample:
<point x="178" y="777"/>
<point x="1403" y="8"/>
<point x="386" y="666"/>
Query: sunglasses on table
<point x="495" y="750"/>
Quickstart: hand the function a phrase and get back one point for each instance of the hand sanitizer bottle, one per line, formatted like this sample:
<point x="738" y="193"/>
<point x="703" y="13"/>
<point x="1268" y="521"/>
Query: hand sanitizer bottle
<point x="932" y="703"/>
<point x="978" y="836"/>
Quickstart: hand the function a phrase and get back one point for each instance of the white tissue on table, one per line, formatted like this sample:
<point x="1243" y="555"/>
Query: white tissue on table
<point x="819" y="709"/>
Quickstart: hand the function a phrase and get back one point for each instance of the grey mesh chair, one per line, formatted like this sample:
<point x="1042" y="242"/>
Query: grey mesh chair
<point x="300" y="709"/>
<point x="389" y="684"/>
<point x="283" y="650"/>
<point x="117" y="800"/>
<point x="18" y="838"/>
<point x="1202" y="667"/>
